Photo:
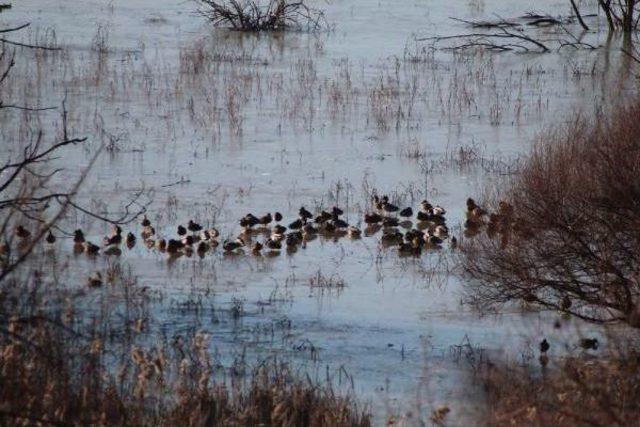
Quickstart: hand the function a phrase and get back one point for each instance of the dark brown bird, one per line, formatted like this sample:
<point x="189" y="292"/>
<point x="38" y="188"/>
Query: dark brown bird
<point x="232" y="246"/>
<point x="78" y="236"/>
<point x="296" y="225"/>
<point x="273" y="245"/>
<point x="406" y="212"/>
<point x="266" y="220"/>
<point x="193" y="227"/>
<point x="22" y="232"/>
<point x="173" y="246"/>
<point x="390" y="222"/>
<point x="340" y="223"/>
<point x="95" y="280"/>
<point x="114" y="239"/>
<point x="130" y="240"/>
<point x="544" y="346"/>
<point x="323" y="217"/>
<point x="305" y="214"/>
<point x="91" y="249"/>
<point x="51" y="239"/>
<point x="145" y="221"/>
<point x="390" y="207"/>
<point x="256" y="248"/>
<point x="279" y="229"/>
<point x="373" y="218"/>
<point x="336" y="211"/>
<point x="589" y="343"/>
<point x="181" y="230"/>
<point x="277" y="216"/>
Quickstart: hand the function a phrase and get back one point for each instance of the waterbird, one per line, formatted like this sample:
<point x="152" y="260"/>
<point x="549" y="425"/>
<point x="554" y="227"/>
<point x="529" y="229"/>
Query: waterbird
<point x="390" y="222"/>
<point x="425" y="206"/>
<point x="265" y="220"/>
<point x="589" y="343"/>
<point x="114" y="239"/>
<point x="544" y="346"/>
<point x="95" y="280"/>
<point x="323" y="217"/>
<point x="372" y="218"/>
<point x="78" y="236"/>
<point x="51" y="239"/>
<point x="277" y="216"/>
<point x="145" y="221"/>
<point x="256" y="248"/>
<point x="130" y="240"/>
<point x="389" y="207"/>
<point x="336" y="211"/>
<point x="273" y="245"/>
<point x="340" y="223"/>
<point x="161" y="245"/>
<point x="91" y="248"/>
<point x="181" y="230"/>
<point x="173" y="246"/>
<point x="304" y="214"/>
<point x="232" y="246"/>
<point x="193" y="227"/>
<point x="202" y="247"/>
<point x="406" y="212"/>
<point x="296" y="225"/>
<point x="22" y="232"/>
<point x="354" y="232"/>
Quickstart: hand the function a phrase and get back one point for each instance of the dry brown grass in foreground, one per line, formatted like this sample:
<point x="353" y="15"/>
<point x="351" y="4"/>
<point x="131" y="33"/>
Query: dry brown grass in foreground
<point x="578" y="393"/>
<point x="49" y="377"/>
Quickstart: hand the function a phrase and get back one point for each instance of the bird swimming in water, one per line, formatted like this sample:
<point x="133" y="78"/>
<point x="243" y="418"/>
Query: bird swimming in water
<point x="181" y="230"/>
<point x="78" y="236"/>
<point x="265" y="220"/>
<point x="90" y="248"/>
<point x="354" y="232"/>
<point x="273" y="245"/>
<point x="544" y="346"/>
<point x="95" y="280"/>
<point x="589" y="343"/>
<point x="232" y="246"/>
<point x="297" y="224"/>
<point x="161" y="245"/>
<point x="145" y="221"/>
<point x="193" y="227"/>
<point x="277" y="216"/>
<point x="22" y="232"/>
<point x="130" y="240"/>
<point x="50" y="239"/>
<point x="256" y="248"/>
<point x="406" y="212"/>
<point x="304" y="214"/>
<point x="372" y="218"/>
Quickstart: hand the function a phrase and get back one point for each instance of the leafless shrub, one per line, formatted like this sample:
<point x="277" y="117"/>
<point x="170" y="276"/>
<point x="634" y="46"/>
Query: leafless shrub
<point x="567" y="236"/>
<point x="256" y="15"/>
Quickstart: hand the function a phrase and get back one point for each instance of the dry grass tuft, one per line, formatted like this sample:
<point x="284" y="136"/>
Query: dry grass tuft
<point x="578" y="393"/>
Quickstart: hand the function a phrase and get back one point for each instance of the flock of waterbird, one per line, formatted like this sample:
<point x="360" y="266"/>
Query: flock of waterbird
<point x="411" y="233"/>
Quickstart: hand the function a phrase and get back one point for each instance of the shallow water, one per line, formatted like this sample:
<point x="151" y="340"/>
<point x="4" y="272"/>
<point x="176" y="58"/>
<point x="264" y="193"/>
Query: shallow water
<point x="214" y="124"/>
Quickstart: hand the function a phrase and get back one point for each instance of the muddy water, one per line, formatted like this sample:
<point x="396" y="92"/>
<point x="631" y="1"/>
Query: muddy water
<point x="214" y="124"/>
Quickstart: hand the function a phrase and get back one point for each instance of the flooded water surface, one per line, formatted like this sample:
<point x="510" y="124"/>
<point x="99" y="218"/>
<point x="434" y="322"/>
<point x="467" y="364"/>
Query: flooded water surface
<point x="210" y="124"/>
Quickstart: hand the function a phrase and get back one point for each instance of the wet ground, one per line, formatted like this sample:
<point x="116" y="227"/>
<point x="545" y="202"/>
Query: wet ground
<point x="213" y="124"/>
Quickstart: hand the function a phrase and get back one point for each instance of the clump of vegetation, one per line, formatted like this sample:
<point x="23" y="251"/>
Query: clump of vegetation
<point x="567" y="236"/>
<point x="254" y="15"/>
<point x="578" y="393"/>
